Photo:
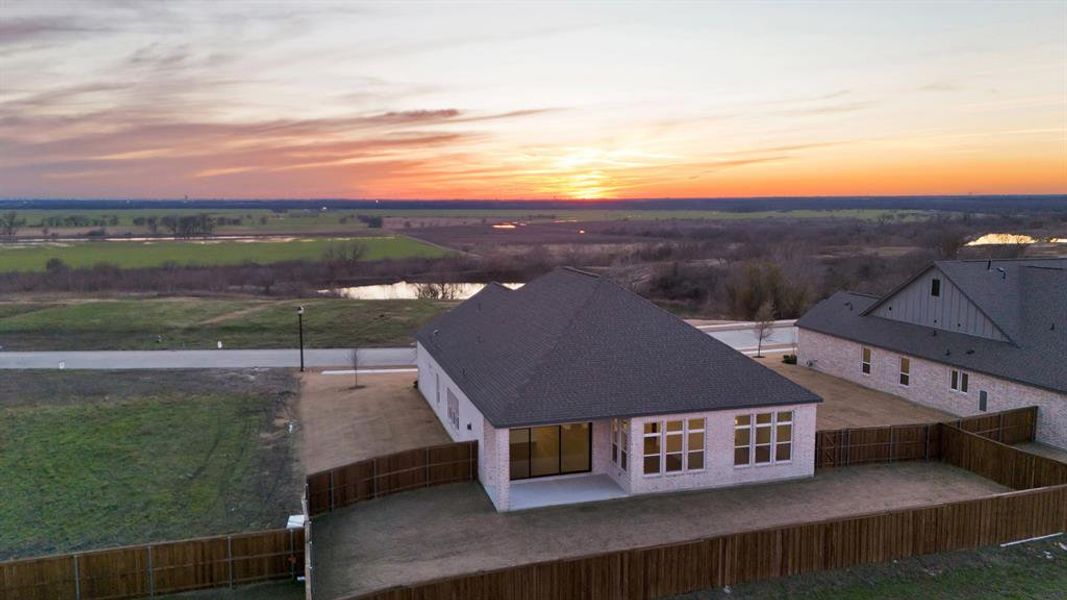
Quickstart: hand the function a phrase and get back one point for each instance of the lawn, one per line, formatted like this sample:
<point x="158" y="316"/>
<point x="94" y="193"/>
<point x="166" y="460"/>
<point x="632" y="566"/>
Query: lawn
<point x="139" y="254"/>
<point x="198" y="323"/>
<point x="1036" y="570"/>
<point x="93" y="459"/>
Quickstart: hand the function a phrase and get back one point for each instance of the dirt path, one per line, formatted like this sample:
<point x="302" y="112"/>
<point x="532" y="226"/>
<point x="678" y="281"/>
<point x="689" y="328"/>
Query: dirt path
<point x="342" y="425"/>
<point x="237" y="313"/>
<point x="451" y="530"/>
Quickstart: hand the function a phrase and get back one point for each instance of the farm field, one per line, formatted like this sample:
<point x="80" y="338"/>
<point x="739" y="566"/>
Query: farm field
<point x="198" y="323"/>
<point x="1034" y="570"/>
<point x="141" y="254"/>
<point x="100" y="459"/>
<point x="264" y="221"/>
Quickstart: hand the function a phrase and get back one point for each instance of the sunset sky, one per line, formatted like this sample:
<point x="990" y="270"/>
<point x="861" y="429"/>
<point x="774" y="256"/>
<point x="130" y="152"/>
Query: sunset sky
<point x="530" y="100"/>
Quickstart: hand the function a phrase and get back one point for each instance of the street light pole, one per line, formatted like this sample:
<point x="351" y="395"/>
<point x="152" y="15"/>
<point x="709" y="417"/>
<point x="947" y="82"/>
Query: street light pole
<point x="300" y="326"/>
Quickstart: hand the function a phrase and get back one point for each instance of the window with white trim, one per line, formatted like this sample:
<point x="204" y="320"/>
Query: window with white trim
<point x="763" y="438"/>
<point x="959" y="381"/>
<point x="865" y="361"/>
<point x="620" y="442"/>
<point x="673" y="446"/>
<point x="453" y="408"/>
<point x="905" y="370"/>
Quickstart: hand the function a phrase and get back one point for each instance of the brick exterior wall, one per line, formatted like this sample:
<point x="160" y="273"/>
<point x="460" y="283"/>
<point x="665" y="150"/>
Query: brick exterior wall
<point x="929" y="383"/>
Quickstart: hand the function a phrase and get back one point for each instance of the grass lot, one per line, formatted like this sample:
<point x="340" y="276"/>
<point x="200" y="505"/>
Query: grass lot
<point x="199" y="252"/>
<point x="1037" y="570"/>
<point x="314" y="220"/>
<point x="197" y="323"/>
<point x="92" y="459"/>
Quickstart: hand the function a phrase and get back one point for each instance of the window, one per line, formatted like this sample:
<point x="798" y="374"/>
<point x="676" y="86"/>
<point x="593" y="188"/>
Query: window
<point x="959" y="381"/>
<point x="437" y="387"/>
<point x="935" y="287"/>
<point x="905" y="371"/>
<point x="865" y="363"/>
<point x="763" y="438"/>
<point x="453" y="409"/>
<point x="620" y="442"/>
<point x="983" y="401"/>
<point x="673" y="446"/>
<point x="550" y="450"/>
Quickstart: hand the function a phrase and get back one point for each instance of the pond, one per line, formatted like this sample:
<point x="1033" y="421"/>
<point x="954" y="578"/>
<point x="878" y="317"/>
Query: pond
<point x="412" y="291"/>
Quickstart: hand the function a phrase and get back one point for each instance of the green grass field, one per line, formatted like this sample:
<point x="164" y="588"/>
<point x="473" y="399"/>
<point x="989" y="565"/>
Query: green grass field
<point x="193" y="323"/>
<point x="315" y="220"/>
<point x="212" y="252"/>
<point x="1035" y="571"/>
<point x="92" y="459"/>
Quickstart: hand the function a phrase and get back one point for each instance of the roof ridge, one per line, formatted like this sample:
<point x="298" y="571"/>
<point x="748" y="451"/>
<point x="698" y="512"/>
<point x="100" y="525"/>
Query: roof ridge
<point x="539" y="362"/>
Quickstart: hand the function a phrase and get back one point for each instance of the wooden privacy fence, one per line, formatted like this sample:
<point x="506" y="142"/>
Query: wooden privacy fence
<point x="999" y="462"/>
<point x="775" y="552"/>
<point x="156" y="569"/>
<point x="843" y="447"/>
<point x="384" y="475"/>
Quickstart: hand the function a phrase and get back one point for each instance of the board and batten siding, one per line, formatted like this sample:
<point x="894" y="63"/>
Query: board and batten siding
<point x="951" y="311"/>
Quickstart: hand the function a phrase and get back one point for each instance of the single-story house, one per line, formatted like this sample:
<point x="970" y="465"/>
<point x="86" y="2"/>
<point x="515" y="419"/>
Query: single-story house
<point x="577" y="389"/>
<point x="963" y="336"/>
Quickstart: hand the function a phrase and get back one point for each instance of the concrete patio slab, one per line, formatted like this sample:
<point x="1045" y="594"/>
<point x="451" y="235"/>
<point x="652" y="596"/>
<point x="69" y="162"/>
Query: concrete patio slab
<point x="539" y="493"/>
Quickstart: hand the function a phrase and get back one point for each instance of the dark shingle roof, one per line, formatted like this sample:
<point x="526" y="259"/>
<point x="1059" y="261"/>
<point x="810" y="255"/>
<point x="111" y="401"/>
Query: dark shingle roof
<point x="1023" y="301"/>
<point x="571" y="346"/>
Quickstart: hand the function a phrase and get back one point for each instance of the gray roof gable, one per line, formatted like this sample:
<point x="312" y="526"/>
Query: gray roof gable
<point x="572" y="346"/>
<point x="1026" y="299"/>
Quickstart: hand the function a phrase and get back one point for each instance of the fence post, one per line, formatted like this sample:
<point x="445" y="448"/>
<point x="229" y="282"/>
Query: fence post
<point x="77" y="580"/>
<point x="292" y="555"/>
<point x="229" y="558"/>
<point x="892" y="456"/>
<point x="426" y="462"/>
<point x="926" y="445"/>
<point x="374" y="478"/>
<point x="332" y="471"/>
<point x="151" y="575"/>
<point x="1000" y="428"/>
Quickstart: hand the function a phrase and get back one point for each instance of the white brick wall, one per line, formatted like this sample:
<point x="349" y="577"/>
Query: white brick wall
<point x="929" y="383"/>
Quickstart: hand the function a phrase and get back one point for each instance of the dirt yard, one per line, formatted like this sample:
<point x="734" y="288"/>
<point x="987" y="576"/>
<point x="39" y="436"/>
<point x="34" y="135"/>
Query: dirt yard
<point x="846" y="404"/>
<point x="342" y="425"/>
<point x="454" y="529"/>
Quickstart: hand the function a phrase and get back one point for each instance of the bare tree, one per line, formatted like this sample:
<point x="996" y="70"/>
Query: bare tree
<point x="353" y="358"/>
<point x="763" y="326"/>
<point x="10" y="223"/>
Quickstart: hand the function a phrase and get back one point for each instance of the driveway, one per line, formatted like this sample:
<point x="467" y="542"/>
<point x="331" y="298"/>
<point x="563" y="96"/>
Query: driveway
<point x="342" y="425"/>
<point x="846" y="404"/>
<point x="451" y="530"/>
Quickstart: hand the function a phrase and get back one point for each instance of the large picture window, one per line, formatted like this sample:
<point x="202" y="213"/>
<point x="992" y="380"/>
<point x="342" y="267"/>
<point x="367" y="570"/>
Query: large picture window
<point x="763" y="438"/>
<point x="453" y="408"/>
<point x="620" y="442"/>
<point x="673" y="446"/>
<point x="551" y="450"/>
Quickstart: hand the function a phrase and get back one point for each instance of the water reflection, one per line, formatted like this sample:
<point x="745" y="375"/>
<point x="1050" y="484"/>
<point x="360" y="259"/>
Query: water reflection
<point x="412" y="291"/>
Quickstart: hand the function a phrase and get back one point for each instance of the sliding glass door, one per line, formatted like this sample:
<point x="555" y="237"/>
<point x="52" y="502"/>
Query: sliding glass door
<point x="551" y="450"/>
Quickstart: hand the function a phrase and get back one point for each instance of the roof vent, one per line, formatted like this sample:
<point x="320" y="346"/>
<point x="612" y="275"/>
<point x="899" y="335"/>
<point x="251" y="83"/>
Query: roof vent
<point x="1003" y="273"/>
<point x="970" y="351"/>
<point x="849" y="305"/>
<point x="1052" y="327"/>
<point x="436" y="331"/>
<point x="948" y="352"/>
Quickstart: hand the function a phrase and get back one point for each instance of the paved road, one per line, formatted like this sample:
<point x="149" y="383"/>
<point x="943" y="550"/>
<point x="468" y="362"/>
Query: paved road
<point x="738" y="336"/>
<point x="204" y="359"/>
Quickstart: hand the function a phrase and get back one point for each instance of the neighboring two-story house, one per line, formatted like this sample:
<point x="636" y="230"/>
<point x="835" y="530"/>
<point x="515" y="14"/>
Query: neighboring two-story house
<point x="961" y="336"/>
